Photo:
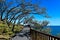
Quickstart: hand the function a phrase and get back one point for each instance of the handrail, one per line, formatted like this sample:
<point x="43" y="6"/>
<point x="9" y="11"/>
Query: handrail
<point x="43" y="36"/>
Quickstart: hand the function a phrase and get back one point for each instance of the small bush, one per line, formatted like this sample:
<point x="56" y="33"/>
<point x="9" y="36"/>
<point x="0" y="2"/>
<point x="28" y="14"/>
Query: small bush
<point x="17" y="28"/>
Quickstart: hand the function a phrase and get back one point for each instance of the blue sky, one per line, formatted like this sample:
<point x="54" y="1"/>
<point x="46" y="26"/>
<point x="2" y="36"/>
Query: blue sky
<point x="53" y="9"/>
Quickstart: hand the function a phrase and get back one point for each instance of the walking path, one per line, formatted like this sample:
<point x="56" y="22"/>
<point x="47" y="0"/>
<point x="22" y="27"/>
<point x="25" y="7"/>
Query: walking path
<point x="26" y="29"/>
<point x="20" y="38"/>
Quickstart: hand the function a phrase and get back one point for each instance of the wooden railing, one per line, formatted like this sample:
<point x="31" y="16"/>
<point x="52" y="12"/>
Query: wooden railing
<point x="36" y="35"/>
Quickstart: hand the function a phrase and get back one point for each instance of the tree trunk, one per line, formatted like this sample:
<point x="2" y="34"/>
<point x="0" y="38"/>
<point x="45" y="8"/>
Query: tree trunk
<point x="13" y="28"/>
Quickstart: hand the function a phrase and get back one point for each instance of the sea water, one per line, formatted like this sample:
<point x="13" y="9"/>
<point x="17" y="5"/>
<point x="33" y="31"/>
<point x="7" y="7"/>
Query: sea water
<point x="55" y="30"/>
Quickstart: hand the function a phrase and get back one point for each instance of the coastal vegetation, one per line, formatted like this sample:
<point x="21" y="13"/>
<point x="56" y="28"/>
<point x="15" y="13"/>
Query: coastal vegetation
<point x="11" y="17"/>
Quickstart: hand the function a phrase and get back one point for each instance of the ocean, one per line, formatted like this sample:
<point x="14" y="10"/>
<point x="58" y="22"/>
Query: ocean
<point x="54" y="30"/>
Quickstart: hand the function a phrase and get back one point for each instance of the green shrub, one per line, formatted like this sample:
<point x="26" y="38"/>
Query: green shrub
<point x="7" y="31"/>
<point x="1" y="30"/>
<point x="18" y="28"/>
<point x="46" y="30"/>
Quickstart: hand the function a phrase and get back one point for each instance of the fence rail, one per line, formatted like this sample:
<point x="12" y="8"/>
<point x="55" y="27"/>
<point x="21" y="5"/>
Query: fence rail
<point x="36" y="35"/>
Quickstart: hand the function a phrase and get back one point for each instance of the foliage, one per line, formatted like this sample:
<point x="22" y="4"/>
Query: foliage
<point x="12" y="16"/>
<point x="39" y="25"/>
<point x="18" y="28"/>
<point x="7" y="31"/>
<point x="46" y="30"/>
<point x="20" y="11"/>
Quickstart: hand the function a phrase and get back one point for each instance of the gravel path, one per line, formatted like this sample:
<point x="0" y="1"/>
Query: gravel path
<point x="26" y="29"/>
<point x="20" y="38"/>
